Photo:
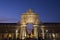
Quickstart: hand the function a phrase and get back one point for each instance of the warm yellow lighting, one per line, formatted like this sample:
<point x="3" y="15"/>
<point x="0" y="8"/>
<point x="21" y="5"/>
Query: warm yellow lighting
<point x="42" y="26"/>
<point x="9" y="35"/>
<point x="27" y="18"/>
<point x="35" y="25"/>
<point x="16" y="31"/>
<point x="53" y="35"/>
<point x="25" y="34"/>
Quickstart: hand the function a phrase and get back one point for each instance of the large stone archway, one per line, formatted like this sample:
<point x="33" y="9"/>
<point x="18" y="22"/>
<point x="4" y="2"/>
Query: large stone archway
<point x="29" y="18"/>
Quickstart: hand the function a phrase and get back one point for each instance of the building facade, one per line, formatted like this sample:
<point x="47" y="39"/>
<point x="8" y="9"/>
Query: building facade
<point x="29" y="27"/>
<point x="29" y="19"/>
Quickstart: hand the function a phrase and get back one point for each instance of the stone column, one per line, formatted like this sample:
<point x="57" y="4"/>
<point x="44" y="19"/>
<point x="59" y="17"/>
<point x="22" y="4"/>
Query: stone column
<point x="23" y="32"/>
<point x="36" y="31"/>
<point x="42" y="29"/>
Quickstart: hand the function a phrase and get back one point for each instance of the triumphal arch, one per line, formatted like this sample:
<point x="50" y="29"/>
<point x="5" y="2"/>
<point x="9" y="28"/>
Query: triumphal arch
<point x="29" y="24"/>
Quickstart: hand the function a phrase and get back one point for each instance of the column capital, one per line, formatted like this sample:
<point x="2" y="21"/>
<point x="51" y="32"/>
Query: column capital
<point x="23" y="25"/>
<point x="35" y="25"/>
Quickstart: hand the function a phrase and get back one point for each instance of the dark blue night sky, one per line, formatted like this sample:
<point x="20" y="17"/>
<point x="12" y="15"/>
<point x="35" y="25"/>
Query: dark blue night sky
<point x="11" y="10"/>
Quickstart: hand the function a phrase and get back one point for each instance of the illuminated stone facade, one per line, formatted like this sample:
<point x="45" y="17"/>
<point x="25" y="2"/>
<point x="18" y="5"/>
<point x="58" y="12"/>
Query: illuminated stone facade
<point x="26" y="19"/>
<point x="21" y="30"/>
